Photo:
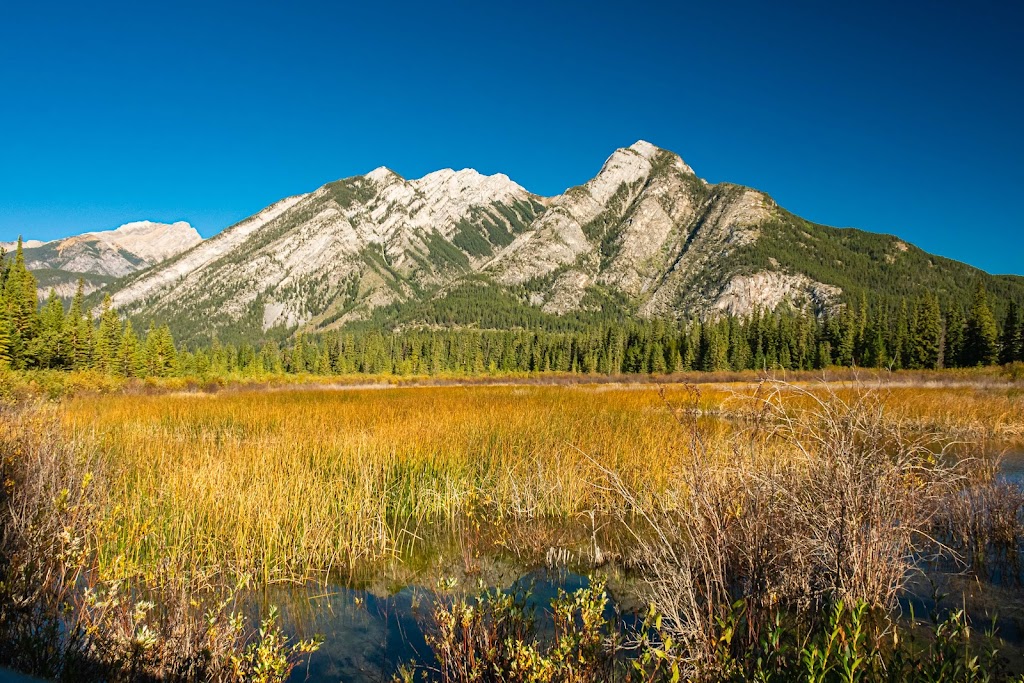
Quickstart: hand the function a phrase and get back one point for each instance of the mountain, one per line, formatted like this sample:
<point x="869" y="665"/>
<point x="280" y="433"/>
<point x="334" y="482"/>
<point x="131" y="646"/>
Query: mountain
<point x="645" y="237"/>
<point x="334" y="254"/>
<point x="27" y="244"/>
<point x="100" y="257"/>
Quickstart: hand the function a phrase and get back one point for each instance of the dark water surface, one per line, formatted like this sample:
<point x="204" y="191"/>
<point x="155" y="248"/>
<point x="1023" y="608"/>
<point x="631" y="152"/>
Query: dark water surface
<point x="1012" y="468"/>
<point x="368" y="635"/>
<point x="374" y="624"/>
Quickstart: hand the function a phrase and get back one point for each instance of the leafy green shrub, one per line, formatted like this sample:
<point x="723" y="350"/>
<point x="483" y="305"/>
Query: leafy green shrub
<point x="496" y="637"/>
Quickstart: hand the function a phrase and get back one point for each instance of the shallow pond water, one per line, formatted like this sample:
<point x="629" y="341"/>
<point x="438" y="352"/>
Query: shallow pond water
<point x="367" y="635"/>
<point x="369" y="632"/>
<point x="374" y="623"/>
<point x="1012" y="467"/>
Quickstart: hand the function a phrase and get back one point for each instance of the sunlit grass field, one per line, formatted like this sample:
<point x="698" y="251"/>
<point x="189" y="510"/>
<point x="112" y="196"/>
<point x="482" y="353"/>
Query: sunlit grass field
<point x="293" y="483"/>
<point x="284" y="481"/>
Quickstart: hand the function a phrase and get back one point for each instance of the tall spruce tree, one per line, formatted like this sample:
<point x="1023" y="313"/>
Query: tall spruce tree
<point x="130" y="359"/>
<point x="1012" y="342"/>
<point x="49" y="348"/>
<point x="981" y="337"/>
<point x="926" y="343"/>
<point x="22" y="303"/>
<point x="108" y="338"/>
<point x="5" y="337"/>
<point x="955" y="330"/>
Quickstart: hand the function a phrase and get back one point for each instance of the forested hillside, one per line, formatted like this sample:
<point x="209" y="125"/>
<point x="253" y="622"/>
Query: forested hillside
<point x="883" y="333"/>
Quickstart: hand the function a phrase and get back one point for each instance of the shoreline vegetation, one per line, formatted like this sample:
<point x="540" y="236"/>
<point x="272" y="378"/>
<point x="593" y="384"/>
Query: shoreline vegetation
<point x="773" y="524"/>
<point x="55" y="384"/>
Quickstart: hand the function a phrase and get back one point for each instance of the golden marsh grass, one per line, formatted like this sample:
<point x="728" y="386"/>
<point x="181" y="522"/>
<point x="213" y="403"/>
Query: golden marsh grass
<point x="292" y="483"/>
<point x="286" y="481"/>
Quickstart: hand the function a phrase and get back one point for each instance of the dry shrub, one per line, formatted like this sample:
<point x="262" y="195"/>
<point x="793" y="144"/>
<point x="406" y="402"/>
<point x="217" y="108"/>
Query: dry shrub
<point x="813" y="502"/>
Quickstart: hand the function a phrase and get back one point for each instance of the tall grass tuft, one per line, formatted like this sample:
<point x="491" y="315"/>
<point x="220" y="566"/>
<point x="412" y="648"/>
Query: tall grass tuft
<point x="60" y="618"/>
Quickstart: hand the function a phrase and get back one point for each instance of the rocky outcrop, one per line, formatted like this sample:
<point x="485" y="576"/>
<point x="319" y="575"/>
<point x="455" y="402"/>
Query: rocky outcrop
<point x="113" y="253"/>
<point x="744" y="294"/>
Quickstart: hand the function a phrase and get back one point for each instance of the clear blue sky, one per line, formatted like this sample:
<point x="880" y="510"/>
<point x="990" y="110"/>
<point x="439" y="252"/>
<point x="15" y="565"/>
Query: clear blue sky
<point x="886" y="117"/>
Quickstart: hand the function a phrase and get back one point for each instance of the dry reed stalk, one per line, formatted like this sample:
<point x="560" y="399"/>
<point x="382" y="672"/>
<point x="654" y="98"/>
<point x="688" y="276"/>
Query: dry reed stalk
<point x="816" y="501"/>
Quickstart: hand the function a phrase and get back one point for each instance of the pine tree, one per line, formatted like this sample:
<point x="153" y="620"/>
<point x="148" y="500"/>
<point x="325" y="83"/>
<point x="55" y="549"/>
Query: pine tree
<point x="270" y="355"/>
<point x="981" y="338"/>
<point x="159" y="353"/>
<point x="22" y="303"/>
<point x="657" y="363"/>
<point x="926" y="342"/>
<point x="298" y="364"/>
<point x="168" y="351"/>
<point x="78" y="333"/>
<point x="1012" y="342"/>
<point x="108" y="339"/>
<point x="824" y="355"/>
<point x="901" y="338"/>
<point x="5" y="337"/>
<point x="847" y="338"/>
<point x="714" y="349"/>
<point x="860" y="347"/>
<point x="49" y="348"/>
<point x="739" y="348"/>
<point x="691" y="346"/>
<point x="130" y="360"/>
<point x="323" y="365"/>
<point x="875" y="355"/>
<point x="955" y="324"/>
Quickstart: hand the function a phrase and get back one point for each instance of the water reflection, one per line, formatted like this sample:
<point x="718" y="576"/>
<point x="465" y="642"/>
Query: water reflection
<point x="1011" y="468"/>
<point x="368" y="636"/>
<point x="375" y="622"/>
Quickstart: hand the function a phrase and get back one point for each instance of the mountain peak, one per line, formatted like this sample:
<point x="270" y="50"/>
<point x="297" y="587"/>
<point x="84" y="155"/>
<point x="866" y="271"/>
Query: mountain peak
<point x="382" y="174"/>
<point x="644" y="231"/>
<point x="652" y="152"/>
<point x="25" y="244"/>
<point x="470" y="185"/>
<point x="645" y="149"/>
<point x="101" y="254"/>
<point x="149" y="240"/>
<point x="150" y="228"/>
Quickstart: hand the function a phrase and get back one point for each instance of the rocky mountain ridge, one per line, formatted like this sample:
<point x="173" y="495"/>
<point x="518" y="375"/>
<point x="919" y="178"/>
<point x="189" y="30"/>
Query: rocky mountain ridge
<point x="646" y="236"/>
<point x="357" y="243"/>
<point x="99" y="257"/>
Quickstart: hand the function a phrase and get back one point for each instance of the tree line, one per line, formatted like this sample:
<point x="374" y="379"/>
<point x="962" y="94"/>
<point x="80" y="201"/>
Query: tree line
<point x="50" y="337"/>
<point x="913" y="334"/>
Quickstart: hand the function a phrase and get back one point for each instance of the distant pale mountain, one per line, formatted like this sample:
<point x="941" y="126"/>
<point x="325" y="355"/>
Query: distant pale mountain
<point x="645" y="237"/>
<point x="27" y="244"/>
<point x="100" y="257"/>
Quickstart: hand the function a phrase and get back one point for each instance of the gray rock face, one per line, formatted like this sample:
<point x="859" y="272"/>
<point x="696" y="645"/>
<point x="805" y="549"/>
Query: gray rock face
<point x="645" y="228"/>
<point x="338" y="252"/>
<point x="115" y="253"/>
<point x="98" y="257"/>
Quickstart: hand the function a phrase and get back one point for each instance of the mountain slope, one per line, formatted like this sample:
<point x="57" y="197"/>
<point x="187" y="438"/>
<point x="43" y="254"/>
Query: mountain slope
<point x="645" y="237"/>
<point x="645" y="226"/>
<point x="100" y="257"/>
<point x="334" y="254"/>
